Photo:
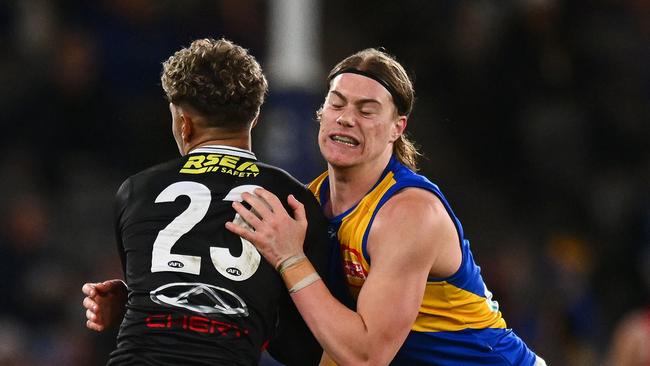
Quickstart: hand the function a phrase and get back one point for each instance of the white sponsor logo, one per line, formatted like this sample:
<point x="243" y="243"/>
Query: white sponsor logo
<point x="200" y="298"/>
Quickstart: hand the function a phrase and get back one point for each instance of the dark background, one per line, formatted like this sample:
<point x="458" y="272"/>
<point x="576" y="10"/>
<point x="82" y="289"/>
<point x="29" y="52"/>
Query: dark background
<point x="533" y="116"/>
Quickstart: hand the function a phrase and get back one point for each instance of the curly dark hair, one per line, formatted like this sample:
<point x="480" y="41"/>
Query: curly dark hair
<point x="217" y="78"/>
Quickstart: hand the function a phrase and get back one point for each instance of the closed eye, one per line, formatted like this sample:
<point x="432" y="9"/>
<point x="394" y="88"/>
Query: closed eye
<point x="368" y="112"/>
<point x="335" y="104"/>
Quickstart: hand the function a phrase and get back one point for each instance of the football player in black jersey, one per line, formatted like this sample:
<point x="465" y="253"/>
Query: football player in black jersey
<point x="198" y="294"/>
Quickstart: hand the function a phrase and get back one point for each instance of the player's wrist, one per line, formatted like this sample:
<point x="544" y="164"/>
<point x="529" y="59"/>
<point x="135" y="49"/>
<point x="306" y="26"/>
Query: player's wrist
<point x="297" y="272"/>
<point x="289" y="261"/>
<point x="304" y="282"/>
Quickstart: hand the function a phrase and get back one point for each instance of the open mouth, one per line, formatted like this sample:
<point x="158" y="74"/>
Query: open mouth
<point x="346" y="140"/>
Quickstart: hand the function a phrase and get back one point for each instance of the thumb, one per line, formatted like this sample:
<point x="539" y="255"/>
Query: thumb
<point x="298" y="208"/>
<point x="108" y="286"/>
<point x="102" y="287"/>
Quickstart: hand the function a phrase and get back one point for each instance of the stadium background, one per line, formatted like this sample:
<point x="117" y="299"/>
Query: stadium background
<point x="533" y="116"/>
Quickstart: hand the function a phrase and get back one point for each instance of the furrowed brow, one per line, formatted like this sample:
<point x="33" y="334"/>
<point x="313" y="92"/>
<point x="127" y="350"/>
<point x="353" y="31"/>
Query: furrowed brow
<point x="341" y="96"/>
<point x="357" y="102"/>
<point x="367" y="101"/>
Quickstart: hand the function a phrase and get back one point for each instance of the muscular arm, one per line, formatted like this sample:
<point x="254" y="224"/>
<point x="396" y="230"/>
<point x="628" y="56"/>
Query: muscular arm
<point x="410" y="235"/>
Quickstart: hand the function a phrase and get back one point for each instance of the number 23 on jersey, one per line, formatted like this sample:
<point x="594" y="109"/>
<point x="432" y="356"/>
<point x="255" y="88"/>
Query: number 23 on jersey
<point x="162" y="260"/>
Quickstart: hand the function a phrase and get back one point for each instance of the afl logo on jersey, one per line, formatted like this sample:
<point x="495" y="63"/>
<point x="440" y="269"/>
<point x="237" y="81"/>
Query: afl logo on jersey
<point x="200" y="298"/>
<point x="233" y="271"/>
<point x="175" y="264"/>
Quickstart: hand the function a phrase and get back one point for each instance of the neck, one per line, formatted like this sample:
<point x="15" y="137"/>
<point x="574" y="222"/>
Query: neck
<point x="348" y="185"/>
<point x="240" y="140"/>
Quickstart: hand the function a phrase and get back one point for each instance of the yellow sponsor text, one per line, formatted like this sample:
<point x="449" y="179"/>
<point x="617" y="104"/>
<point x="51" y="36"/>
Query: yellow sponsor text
<point x="219" y="163"/>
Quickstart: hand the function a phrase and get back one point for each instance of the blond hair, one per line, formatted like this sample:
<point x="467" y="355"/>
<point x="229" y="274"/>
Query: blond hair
<point x="392" y="74"/>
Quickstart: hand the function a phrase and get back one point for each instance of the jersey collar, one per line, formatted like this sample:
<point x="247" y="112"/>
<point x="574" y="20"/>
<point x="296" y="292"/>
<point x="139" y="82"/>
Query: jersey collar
<point x="224" y="149"/>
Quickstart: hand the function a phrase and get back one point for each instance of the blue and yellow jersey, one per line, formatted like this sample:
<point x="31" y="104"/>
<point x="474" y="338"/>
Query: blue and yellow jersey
<point x="458" y="322"/>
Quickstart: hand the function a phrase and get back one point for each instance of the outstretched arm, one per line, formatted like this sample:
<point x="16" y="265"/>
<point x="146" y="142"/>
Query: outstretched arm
<point x="403" y="245"/>
<point x="104" y="303"/>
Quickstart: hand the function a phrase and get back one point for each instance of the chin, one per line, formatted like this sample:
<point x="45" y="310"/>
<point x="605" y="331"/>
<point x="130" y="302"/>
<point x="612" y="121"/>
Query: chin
<point x="338" y="161"/>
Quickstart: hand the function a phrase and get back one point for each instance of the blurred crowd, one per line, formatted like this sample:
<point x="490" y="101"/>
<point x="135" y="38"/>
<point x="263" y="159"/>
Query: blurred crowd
<point x="533" y="117"/>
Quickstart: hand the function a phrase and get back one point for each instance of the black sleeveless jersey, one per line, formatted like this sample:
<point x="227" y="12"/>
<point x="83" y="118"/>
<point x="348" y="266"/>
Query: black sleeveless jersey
<point x="197" y="293"/>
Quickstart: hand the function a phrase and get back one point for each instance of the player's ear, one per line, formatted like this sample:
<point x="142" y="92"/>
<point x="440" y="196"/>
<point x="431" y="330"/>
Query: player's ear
<point x="187" y="127"/>
<point x="398" y="127"/>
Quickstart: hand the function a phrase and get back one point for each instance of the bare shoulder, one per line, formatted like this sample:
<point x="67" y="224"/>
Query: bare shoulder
<point x="414" y="204"/>
<point x="416" y="224"/>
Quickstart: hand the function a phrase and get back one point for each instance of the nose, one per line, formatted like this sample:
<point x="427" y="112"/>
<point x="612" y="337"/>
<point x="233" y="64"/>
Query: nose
<point x="345" y="119"/>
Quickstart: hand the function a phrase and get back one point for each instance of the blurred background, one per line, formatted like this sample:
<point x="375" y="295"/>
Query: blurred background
<point x="533" y="117"/>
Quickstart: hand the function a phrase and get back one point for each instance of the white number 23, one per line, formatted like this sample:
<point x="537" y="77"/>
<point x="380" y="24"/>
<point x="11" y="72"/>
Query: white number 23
<point x="162" y="260"/>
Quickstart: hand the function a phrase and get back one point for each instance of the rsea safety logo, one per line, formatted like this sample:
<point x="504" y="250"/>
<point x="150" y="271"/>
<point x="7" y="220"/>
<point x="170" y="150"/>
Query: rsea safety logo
<point x="218" y="163"/>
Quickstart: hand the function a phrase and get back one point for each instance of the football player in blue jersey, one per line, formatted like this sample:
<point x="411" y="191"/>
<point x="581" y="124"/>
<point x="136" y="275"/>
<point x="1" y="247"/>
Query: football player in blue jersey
<point x="418" y="295"/>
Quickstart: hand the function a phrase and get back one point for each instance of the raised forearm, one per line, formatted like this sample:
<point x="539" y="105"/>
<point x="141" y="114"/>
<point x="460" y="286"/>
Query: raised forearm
<point x="342" y="333"/>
